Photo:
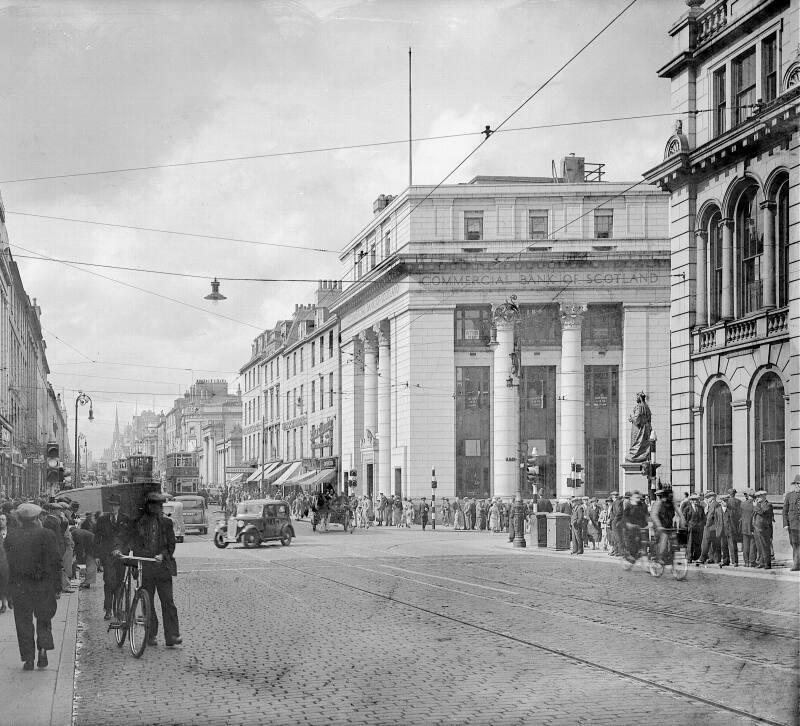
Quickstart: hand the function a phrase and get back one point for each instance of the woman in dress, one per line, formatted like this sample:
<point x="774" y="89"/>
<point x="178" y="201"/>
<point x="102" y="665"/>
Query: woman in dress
<point x="409" y="513"/>
<point x="458" y="515"/>
<point x="494" y="518"/>
<point x="397" y="512"/>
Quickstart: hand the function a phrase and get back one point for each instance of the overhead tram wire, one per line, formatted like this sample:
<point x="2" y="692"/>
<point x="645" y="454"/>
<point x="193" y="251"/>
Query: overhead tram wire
<point x="150" y="292"/>
<point x="348" y="147"/>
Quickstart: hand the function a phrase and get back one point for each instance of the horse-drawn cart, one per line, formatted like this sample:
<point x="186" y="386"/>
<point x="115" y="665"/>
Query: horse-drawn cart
<point x="326" y="511"/>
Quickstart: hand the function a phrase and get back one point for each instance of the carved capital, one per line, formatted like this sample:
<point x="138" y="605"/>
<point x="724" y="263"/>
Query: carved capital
<point x="382" y="331"/>
<point x="368" y="339"/>
<point x="768" y="204"/>
<point x="507" y="312"/>
<point x="572" y="315"/>
<point x="700" y="236"/>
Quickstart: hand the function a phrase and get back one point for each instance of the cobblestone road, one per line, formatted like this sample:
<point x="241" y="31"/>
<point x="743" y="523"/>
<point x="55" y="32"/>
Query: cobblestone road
<point x="385" y="627"/>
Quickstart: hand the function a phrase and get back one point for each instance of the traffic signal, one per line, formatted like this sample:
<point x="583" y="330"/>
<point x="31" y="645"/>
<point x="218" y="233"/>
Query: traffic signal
<point x="55" y="471"/>
<point x="575" y="478"/>
<point x="532" y="469"/>
<point x="353" y="478"/>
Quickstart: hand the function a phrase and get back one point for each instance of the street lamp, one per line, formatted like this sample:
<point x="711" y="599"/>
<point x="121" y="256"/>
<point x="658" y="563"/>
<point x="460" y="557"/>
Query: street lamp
<point x="81" y="399"/>
<point x="215" y="295"/>
<point x="518" y="510"/>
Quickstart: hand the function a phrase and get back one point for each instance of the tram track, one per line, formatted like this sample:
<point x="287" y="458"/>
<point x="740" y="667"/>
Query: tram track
<point x="579" y="660"/>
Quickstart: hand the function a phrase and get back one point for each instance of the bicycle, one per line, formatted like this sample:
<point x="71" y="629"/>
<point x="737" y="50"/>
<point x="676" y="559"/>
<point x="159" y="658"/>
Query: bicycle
<point x="646" y="547"/>
<point x="132" y="607"/>
<point x="675" y="556"/>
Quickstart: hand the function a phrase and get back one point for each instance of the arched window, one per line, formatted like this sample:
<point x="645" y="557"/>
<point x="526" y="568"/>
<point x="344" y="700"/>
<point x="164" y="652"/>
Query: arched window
<point x="769" y="420"/>
<point x="782" y="244"/>
<point x="749" y="250"/>
<point x="720" y="438"/>
<point x="715" y="265"/>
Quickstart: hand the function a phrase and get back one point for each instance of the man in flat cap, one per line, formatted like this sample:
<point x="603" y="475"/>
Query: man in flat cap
<point x="154" y="536"/>
<point x="712" y="530"/>
<point x="748" y="543"/>
<point x="695" y="518"/>
<point x="791" y="520"/>
<point x="110" y="536"/>
<point x="763" y="517"/>
<point x="34" y="576"/>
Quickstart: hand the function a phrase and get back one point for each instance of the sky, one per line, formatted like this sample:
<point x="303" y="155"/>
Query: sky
<point x="111" y="85"/>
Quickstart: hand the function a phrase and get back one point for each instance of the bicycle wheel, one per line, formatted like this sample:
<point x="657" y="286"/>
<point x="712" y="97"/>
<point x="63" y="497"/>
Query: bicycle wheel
<point x="628" y="562"/>
<point x="119" y="608"/>
<point x="680" y="565"/>
<point x="655" y="567"/>
<point x="139" y="622"/>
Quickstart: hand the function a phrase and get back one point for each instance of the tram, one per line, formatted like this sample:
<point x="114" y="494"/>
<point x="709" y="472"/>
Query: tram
<point x="132" y="469"/>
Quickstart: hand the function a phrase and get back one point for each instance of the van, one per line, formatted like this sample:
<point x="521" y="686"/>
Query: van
<point x="174" y="510"/>
<point x="194" y="512"/>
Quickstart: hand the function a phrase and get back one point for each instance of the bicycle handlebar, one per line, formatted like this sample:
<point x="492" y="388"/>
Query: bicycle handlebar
<point x="131" y="558"/>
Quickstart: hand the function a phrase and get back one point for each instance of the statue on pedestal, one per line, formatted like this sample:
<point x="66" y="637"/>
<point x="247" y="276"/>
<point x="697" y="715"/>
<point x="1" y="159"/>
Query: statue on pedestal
<point x="641" y="428"/>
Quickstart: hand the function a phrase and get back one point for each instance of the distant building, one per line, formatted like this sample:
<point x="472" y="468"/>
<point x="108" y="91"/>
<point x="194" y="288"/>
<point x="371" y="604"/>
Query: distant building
<point x="488" y="321"/>
<point x="732" y="173"/>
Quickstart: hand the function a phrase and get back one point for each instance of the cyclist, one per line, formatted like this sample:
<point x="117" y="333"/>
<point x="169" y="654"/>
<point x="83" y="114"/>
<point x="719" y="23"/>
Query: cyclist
<point x="662" y="516"/>
<point x="634" y="519"/>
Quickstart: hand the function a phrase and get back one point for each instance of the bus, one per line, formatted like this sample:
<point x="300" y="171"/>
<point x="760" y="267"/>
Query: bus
<point x="182" y="473"/>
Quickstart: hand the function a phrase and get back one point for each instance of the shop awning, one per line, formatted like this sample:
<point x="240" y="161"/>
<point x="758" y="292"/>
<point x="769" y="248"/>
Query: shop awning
<point x="317" y="479"/>
<point x="290" y="471"/>
<point x="236" y="480"/>
<point x="268" y="468"/>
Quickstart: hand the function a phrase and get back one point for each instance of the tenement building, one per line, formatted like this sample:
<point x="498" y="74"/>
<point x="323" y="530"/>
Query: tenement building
<point x="508" y="317"/>
<point x="731" y="168"/>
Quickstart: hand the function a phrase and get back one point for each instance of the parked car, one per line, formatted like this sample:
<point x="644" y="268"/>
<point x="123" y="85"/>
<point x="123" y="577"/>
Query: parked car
<point x="256" y="521"/>
<point x="174" y="510"/>
<point x="194" y="512"/>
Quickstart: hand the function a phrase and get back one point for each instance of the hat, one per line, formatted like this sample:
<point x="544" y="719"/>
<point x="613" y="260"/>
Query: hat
<point x="74" y="505"/>
<point x="760" y="492"/>
<point x="694" y="496"/>
<point x="155" y="498"/>
<point x="28" y="511"/>
<point x="731" y="492"/>
<point x="614" y="494"/>
<point x="708" y="495"/>
<point x="627" y="495"/>
<point x="114" y="500"/>
<point x="796" y="479"/>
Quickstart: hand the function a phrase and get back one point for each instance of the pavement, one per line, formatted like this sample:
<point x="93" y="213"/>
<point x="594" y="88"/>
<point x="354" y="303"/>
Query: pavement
<point x="315" y="632"/>
<point x="41" y="697"/>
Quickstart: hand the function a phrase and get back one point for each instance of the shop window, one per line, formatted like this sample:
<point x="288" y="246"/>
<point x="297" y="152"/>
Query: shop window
<point x="473" y="325"/>
<point x="540" y="325"/>
<point x="769" y="419"/>
<point x="602" y="327"/>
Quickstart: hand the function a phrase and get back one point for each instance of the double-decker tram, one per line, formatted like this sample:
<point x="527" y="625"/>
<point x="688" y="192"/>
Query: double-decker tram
<point x="140" y="468"/>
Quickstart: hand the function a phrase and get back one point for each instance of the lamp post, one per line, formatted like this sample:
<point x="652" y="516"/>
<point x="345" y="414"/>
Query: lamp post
<point x="81" y="399"/>
<point x="518" y="509"/>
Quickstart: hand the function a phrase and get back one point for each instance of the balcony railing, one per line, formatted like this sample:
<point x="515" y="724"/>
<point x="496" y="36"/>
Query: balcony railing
<point x="734" y="333"/>
<point x="712" y="21"/>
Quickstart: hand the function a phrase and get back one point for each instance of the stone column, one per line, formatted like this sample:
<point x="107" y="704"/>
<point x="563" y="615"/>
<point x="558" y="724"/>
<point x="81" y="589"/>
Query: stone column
<point x="383" y="476"/>
<point x="768" y="278"/>
<point x="701" y="273"/>
<point x="726" y="313"/>
<point x="571" y="394"/>
<point x="370" y="384"/>
<point x="699" y="456"/>
<point x="505" y="403"/>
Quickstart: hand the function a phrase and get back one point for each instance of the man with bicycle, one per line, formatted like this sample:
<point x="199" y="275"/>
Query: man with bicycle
<point x="634" y="519"/>
<point x="662" y="516"/>
<point x="153" y="536"/>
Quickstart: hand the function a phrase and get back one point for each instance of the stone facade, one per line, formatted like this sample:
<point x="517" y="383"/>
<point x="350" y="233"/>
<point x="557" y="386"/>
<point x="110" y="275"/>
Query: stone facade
<point x="487" y="321"/>
<point x="732" y="172"/>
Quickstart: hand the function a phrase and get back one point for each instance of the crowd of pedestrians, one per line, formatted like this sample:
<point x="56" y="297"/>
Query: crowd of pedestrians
<point x="45" y="545"/>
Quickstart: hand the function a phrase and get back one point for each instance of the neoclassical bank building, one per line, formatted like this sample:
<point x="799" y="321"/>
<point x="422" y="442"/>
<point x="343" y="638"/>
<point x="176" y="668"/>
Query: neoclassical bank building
<point x="507" y="317"/>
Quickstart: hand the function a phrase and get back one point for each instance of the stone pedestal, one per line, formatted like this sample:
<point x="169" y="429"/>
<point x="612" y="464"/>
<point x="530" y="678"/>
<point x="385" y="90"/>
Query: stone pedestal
<point x="632" y="478"/>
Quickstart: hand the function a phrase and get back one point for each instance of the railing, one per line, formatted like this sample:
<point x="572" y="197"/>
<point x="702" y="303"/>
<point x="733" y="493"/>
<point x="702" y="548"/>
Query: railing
<point x="739" y="331"/>
<point x="766" y="324"/>
<point x="777" y="322"/>
<point x="712" y="21"/>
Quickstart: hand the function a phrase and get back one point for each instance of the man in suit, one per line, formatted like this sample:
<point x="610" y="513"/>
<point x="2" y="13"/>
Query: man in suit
<point x="695" y="518"/>
<point x="615" y="525"/>
<point x="712" y="530"/>
<point x="34" y="568"/>
<point x="423" y="513"/>
<point x="110" y="536"/>
<point x="763" y="517"/>
<point x="746" y="518"/>
<point x="154" y="536"/>
<point x="729" y="538"/>
<point x="791" y="520"/>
